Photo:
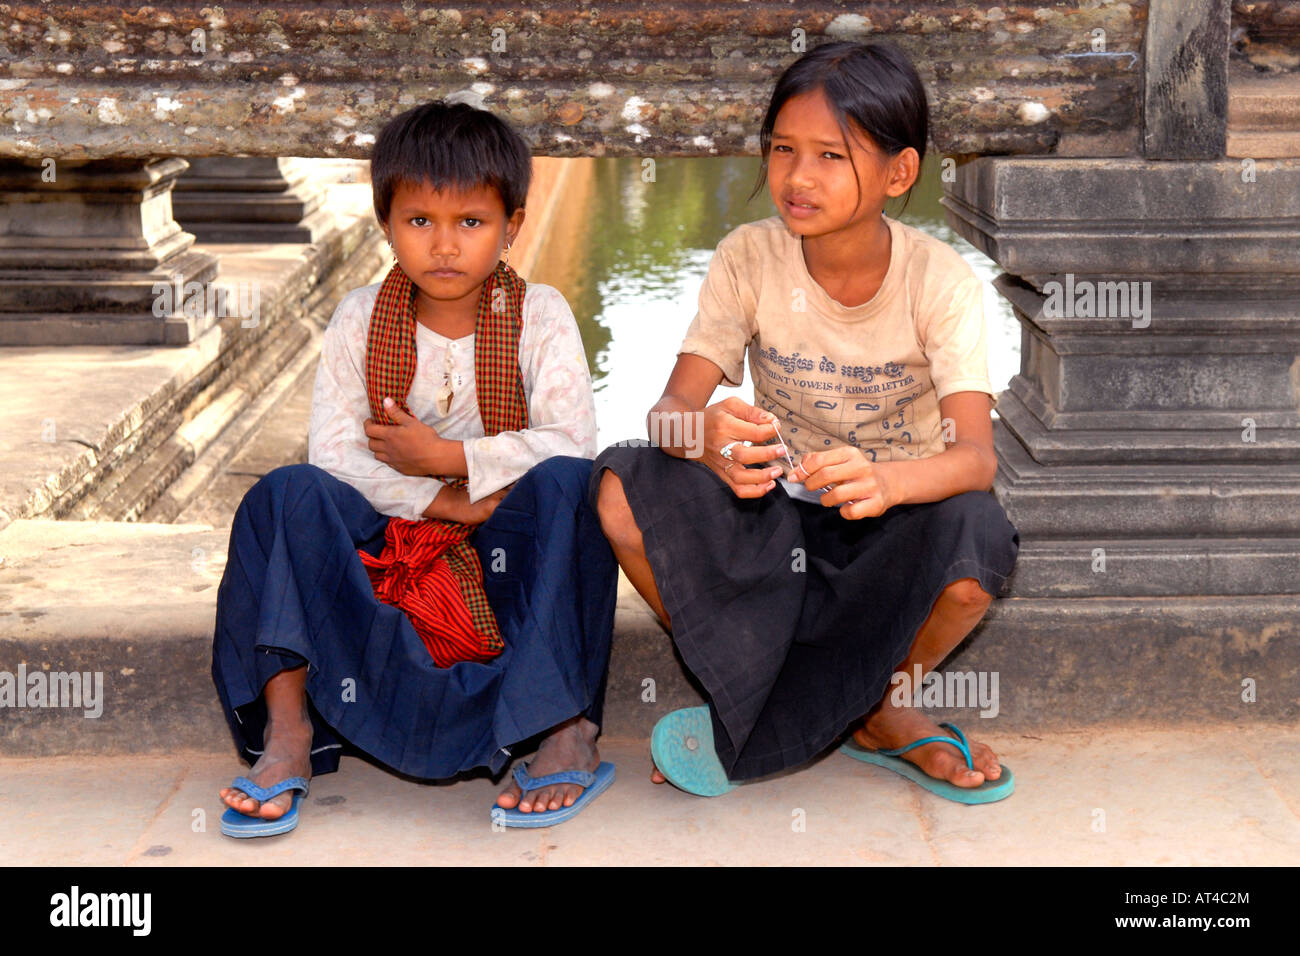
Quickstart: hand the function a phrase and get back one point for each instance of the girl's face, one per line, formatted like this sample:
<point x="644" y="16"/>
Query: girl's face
<point x="813" y="185"/>
<point x="448" y="242"/>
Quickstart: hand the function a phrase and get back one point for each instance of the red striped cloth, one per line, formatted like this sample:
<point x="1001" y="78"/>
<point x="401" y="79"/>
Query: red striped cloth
<point x="428" y="568"/>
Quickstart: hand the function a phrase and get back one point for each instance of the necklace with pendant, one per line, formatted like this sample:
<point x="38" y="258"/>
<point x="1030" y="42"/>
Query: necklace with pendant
<point x="445" y="391"/>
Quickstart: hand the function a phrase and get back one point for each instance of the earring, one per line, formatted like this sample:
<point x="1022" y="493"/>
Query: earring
<point x="507" y="258"/>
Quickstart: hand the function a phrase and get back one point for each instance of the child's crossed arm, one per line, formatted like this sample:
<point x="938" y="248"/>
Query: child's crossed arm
<point x="339" y="407"/>
<point x="561" y="406"/>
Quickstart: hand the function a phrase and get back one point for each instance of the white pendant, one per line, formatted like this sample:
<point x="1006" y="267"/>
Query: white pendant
<point x="444" y="401"/>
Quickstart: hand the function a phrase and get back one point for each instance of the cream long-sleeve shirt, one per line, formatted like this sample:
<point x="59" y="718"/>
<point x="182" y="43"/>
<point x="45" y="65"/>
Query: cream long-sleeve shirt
<point x="557" y="386"/>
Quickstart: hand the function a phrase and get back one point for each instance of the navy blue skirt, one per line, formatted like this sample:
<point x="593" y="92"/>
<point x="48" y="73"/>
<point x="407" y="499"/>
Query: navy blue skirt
<point x="792" y="617"/>
<point x="295" y="591"/>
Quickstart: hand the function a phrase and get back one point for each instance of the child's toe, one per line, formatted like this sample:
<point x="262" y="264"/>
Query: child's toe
<point x="509" y="798"/>
<point x="276" y="807"/>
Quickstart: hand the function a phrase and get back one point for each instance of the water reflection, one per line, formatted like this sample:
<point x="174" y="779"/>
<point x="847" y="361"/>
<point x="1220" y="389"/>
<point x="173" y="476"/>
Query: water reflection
<point x="630" y="248"/>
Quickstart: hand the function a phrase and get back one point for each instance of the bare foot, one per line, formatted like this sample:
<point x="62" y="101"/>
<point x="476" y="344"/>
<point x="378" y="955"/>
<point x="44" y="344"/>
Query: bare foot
<point x="287" y="754"/>
<point x="891" y="727"/>
<point x="570" y="746"/>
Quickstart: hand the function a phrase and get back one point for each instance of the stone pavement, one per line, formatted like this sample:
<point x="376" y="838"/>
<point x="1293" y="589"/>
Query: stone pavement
<point x="1223" y="795"/>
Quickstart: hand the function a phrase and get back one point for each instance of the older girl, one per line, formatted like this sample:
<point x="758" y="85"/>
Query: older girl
<point x="794" y="589"/>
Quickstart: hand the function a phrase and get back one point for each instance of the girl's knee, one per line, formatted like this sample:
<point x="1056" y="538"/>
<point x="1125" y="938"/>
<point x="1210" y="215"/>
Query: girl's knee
<point x="615" y="513"/>
<point x="967" y="594"/>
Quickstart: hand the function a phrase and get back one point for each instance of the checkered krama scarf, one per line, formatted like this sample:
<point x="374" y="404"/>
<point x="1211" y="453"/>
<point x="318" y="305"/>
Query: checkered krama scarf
<point x="428" y="568"/>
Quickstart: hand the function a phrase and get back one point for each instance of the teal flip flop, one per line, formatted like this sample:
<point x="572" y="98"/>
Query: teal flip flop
<point x="987" y="792"/>
<point x="241" y="825"/>
<point x="682" y="746"/>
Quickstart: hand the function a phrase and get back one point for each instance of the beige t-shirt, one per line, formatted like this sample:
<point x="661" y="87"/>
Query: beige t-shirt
<point x="869" y="376"/>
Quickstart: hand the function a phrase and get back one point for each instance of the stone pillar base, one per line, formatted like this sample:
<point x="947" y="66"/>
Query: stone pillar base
<point x="251" y="199"/>
<point x="88" y="250"/>
<point x="1149" y="449"/>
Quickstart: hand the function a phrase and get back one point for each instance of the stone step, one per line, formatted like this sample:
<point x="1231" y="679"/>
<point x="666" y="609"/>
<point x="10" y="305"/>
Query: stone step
<point x="1218" y="500"/>
<point x="143" y="478"/>
<point x="134" y="603"/>
<point x="245" y="209"/>
<point x="284" y="222"/>
<point x="270" y="434"/>
<point x="43" y="306"/>
<point x="1250" y="440"/>
<point x="211" y="440"/>
<point x="158" y="409"/>
<point x="1155" y="567"/>
<point x="278" y="385"/>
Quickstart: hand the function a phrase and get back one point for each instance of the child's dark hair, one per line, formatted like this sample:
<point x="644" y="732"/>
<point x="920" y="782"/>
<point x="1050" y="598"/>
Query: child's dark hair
<point x="450" y="144"/>
<point x="874" y="84"/>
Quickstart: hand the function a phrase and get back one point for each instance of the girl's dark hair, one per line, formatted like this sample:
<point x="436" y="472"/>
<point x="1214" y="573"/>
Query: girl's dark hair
<point x="450" y="144"/>
<point x="874" y="84"/>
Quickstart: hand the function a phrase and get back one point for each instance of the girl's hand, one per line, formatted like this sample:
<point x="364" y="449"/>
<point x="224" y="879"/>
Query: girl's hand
<point x="862" y="488"/>
<point x="732" y="420"/>
<point x="410" y="446"/>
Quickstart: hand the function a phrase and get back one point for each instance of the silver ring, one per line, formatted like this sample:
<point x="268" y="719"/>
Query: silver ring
<point x="725" y="451"/>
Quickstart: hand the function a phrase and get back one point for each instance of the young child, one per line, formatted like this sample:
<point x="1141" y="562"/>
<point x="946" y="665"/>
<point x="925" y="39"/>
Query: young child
<point x="498" y="609"/>
<point x="883" y="547"/>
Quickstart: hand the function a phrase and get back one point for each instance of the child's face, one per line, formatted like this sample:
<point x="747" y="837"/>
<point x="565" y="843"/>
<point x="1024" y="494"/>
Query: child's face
<point x="449" y="241"/>
<point x="809" y="165"/>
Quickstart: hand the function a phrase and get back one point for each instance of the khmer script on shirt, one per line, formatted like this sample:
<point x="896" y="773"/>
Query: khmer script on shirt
<point x="869" y="375"/>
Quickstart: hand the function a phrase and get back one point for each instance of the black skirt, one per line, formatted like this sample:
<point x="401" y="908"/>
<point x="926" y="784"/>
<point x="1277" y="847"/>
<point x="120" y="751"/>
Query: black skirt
<point x="792" y="617"/>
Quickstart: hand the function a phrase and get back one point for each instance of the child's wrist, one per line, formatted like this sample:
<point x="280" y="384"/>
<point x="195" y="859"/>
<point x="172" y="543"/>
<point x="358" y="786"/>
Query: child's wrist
<point x="445" y="456"/>
<point x="448" y="504"/>
<point x="892" y="482"/>
<point x="433" y="460"/>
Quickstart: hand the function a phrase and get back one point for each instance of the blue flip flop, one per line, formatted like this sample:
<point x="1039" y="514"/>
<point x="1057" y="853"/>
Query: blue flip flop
<point x="987" y="792"/>
<point x="241" y="825"/>
<point x="682" y="746"/>
<point x="594" y="785"/>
